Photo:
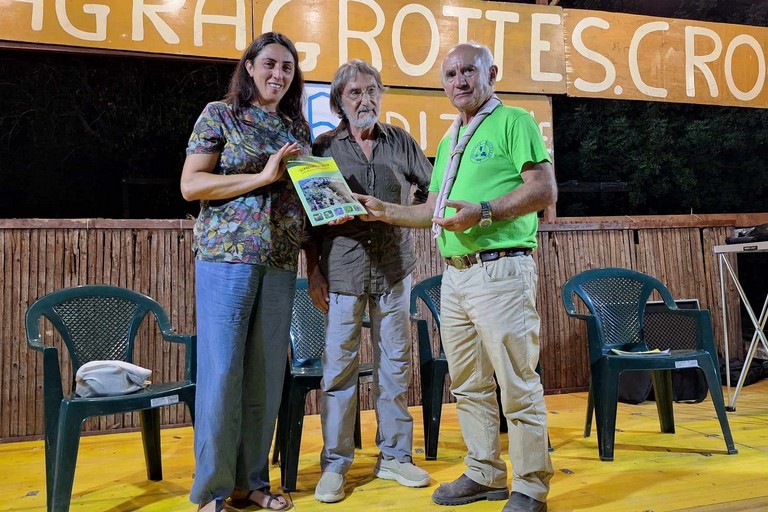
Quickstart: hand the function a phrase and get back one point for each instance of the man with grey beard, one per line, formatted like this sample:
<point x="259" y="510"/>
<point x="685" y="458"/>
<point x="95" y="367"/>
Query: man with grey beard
<point x="357" y="265"/>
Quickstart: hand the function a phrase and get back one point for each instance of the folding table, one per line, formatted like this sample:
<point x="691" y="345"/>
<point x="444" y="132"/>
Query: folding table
<point x="722" y="252"/>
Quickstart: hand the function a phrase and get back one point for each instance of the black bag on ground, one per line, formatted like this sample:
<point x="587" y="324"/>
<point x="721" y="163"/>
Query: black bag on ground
<point x="755" y="372"/>
<point x="635" y="386"/>
<point x="689" y="385"/>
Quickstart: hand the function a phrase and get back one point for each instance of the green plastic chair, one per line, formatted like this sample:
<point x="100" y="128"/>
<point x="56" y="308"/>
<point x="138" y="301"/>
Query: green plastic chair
<point x="616" y="299"/>
<point x="99" y="323"/>
<point x="304" y="374"/>
<point x="434" y="367"/>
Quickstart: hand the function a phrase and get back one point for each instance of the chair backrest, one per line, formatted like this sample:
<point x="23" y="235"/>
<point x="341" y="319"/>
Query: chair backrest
<point x="616" y="299"/>
<point x="428" y="291"/>
<point x="96" y="322"/>
<point x="307" y="330"/>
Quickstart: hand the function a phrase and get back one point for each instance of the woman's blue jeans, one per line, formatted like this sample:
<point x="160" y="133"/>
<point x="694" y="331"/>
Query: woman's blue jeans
<point x="243" y="331"/>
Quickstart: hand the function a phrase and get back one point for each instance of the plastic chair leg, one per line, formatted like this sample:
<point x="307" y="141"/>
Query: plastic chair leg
<point x="150" y="434"/>
<point x="606" y="395"/>
<point x="662" y="389"/>
<point x="358" y="426"/>
<point x="432" y="382"/>
<point x="190" y="401"/>
<point x="716" y="392"/>
<point x="282" y="417"/>
<point x="67" y="446"/>
<point x="51" y="432"/>
<point x="289" y="453"/>
<point x="590" y="412"/>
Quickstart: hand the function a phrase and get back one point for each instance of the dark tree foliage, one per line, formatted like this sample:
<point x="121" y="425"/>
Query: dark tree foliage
<point x="90" y="136"/>
<point x="676" y="158"/>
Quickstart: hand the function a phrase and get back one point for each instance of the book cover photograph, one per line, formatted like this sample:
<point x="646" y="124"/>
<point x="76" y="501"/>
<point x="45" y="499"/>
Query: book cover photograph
<point x="322" y="189"/>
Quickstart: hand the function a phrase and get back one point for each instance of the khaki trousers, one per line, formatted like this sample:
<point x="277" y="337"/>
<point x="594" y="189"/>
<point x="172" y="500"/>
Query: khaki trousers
<point x="489" y="324"/>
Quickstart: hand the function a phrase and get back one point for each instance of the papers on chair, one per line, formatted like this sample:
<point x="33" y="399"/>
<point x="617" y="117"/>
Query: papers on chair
<point x="322" y="189"/>
<point x="654" y="352"/>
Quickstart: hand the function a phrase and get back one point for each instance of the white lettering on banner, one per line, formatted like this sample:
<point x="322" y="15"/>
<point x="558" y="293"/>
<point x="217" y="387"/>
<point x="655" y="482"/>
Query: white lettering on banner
<point x="579" y="46"/>
<point x="543" y="126"/>
<point x="369" y="38"/>
<point x="140" y="9"/>
<point x="634" y="68"/>
<point x="539" y="45"/>
<point x="463" y="14"/>
<point x="450" y="118"/>
<point x="237" y="21"/>
<point x="759" y="82"/>
<point x="434" y="40"/>
<point x="37" y="13"/>
<point x="700" y="61"/>
<point x="311" y="51"/>
<point x="389" y="116"/>
<point x="100" y="12"/>
<point x="500" y="17"/>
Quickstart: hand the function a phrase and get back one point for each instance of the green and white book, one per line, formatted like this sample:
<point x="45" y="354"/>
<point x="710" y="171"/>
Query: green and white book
<point x="323" y="191"/>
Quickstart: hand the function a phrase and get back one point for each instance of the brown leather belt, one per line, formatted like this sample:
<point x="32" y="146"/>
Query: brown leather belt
<point x="466" y="261"/>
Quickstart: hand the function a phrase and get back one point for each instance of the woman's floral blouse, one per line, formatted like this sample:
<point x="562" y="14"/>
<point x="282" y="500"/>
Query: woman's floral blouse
<point x="265" y="225"/>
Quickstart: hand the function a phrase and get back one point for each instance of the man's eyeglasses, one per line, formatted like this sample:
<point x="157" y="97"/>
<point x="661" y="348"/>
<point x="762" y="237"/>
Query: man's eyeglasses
<point x="372" y="92"/>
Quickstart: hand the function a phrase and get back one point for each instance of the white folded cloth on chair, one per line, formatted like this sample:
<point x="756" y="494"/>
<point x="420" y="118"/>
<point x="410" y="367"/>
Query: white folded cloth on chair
<point x="110" y="378"/>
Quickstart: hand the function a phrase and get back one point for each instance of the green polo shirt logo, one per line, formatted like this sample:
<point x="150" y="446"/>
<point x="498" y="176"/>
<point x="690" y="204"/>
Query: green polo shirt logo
<point x="481" y="152"/>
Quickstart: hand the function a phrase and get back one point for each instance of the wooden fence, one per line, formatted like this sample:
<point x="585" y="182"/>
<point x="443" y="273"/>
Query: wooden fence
<point x="154" y="257"/>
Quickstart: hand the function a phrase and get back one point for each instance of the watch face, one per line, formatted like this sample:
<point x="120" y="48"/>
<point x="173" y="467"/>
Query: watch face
<point x="485" y="214"/>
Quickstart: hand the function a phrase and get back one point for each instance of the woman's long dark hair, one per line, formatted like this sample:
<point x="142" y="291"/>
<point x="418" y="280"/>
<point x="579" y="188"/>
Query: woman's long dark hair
<point x="242" y="91"/>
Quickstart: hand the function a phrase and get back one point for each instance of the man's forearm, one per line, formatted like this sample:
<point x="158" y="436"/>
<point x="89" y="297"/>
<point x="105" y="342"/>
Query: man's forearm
<point x="415" y="216"/>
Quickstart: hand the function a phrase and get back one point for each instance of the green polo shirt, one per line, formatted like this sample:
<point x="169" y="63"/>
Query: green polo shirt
<point x="490" y="167"/>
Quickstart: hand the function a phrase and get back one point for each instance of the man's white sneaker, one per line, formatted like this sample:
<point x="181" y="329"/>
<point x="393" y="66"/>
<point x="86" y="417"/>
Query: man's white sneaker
<point x="404" y="473"/>
<point x="330" y="488"/>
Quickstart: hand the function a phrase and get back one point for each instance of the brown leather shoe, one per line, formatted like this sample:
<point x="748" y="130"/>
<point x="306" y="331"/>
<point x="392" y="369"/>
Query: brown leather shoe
<point x="519" y="502"/>
<point x="464" y="490"/>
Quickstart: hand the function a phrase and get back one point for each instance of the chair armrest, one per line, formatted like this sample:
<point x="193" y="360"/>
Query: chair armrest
<point x="570" y="309"/>
<point x="174" y="337"/>
<point x="190" y="351"/>
<point x="36" y="344"/>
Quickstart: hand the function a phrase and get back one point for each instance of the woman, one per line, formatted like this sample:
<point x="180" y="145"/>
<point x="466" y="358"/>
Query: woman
<point x="246" y="241"/>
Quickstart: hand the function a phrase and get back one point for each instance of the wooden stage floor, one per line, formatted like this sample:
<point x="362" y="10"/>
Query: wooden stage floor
<point x="686" y="471"/>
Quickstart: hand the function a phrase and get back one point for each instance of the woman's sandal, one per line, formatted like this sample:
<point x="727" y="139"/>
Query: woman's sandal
<point x="274" y="501"/>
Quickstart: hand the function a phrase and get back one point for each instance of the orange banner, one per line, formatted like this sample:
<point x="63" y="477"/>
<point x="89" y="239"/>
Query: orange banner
<point x="606" y="55"/>
<point x="205" y="28"/>
<point x="405" y="40"/>
<point x="643" y="58"/>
